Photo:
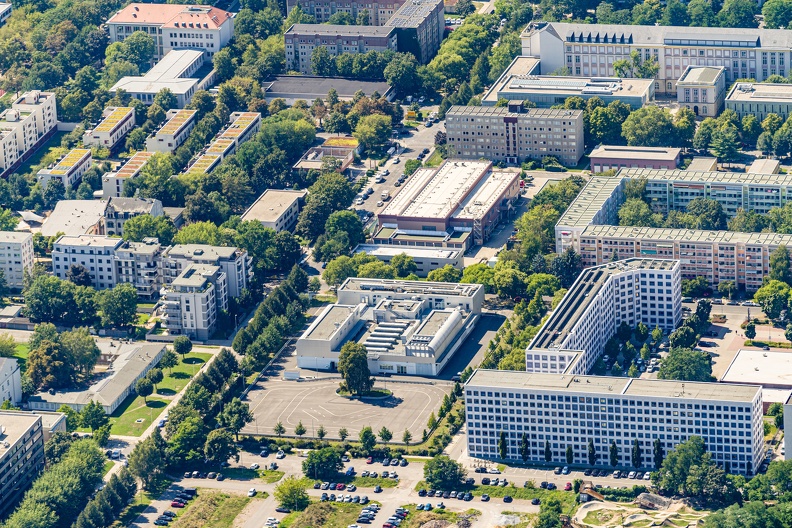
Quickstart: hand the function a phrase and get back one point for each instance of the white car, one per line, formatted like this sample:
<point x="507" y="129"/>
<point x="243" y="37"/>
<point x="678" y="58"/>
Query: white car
<point x="647" y="476"/>
<point x="494" y="471"/>
<point x="280" y="455"/>
<point x="252" y="492"/>
<point x="396" y="160"/>
<point x="380" y="203"/>
<point x="254" y="466"/>
<point x="359" y="201"/>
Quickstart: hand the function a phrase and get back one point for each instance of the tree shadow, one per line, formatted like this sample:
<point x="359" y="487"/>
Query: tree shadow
<point x="180" y="375"/>
<point x="166" y="392"/>
<point x="193" y="361"/>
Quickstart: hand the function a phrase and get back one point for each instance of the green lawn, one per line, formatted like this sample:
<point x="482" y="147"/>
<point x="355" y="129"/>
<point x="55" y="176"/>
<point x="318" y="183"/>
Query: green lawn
<point x="418" y="518"/>
<point x="368" y="482"/>
<point x="108" y="465"/>
<point x="124" y="420"/>
<point x="142" y="319"/>
<point x="51" y="145"/>
<point x="566" y="498"/>
<point x="249" y="474"/>
<point x="324" y="515"/>
<point x="434" y="160"/>
<point x="213" y="509"/>
<point x="175" y="379"/>
<point x="21" y="354"/>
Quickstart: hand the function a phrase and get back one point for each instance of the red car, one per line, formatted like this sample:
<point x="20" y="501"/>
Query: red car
<point x="568" y="486"/>
<point x="369" y="460"/>
<point x="341" y="486"/>
<point x="177" y="504"/>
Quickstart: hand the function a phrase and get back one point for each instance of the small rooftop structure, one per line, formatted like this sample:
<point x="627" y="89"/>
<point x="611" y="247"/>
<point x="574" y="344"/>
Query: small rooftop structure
<point x="700" y="163"/>
<point x="765" y="166"/>
<point x="700" y="75"/>
<point x="176" y="72"/>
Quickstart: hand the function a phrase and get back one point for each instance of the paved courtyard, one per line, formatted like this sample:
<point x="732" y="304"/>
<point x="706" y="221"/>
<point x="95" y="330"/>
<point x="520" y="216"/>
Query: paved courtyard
<point x="315" y="403"/>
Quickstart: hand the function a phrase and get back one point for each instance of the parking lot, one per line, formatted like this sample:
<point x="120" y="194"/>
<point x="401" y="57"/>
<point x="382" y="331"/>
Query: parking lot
<point x="315" y="404"/>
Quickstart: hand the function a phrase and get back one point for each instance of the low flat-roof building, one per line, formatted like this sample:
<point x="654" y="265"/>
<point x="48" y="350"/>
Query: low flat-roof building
<point x="514" y="135"/>
<point x="760" y="100"/>
<point x="177" y="71"/>
<point x="173" y="132"/>
<point x="113" y="182"/>
<point x="75" y="217"/>
<point x="293" y="88"/>
<point x="277" y="208"/>
<point x="314" y="157"/>
<point x="613" y="157"/>
<point x="69" y="169"/>
<point x="242" y="126"/>
<point x="407" y="327"/>
<point x="457" y="196"/>
<point x="703" y="163"/>
<point x="115" y="125"/>
<point x="770" y="369"/>
<point x="21" y="456"/>
<point x="407" y="238"/>
<point x="426" y="259"/>
<point x="702" y="89"/>
<point x="130" y="362"/>
<point x="764" y="166"/>
<point x="420" y="26"/>
<point x="521" y="82"/>
<point x="302" y="39"/>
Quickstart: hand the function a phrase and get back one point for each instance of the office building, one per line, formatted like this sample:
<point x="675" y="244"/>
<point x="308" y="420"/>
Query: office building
<point x="379" y="12"/>
<point x="702" y="89"/>
<point x="192" y="299"/>
<point x="16" y="257"/>
<point x="614" y="157"/>
<point x="426" y="259"/>
<point x="760" y="100"/>
<point x="601" y="298"/>
<point x="21" y="456"/>
<point x="75" y="217"/>
<point x="302" y="39"/>
<point x="467" y="196"/>
<point x="116" y="123"/>
<point x="571" y="410"/>
<point x="94" y="253"/>
<point x="501" y="134"/>
<point x="173" y="132"/>
<point x="174" y="26"/>
<point x="234" y="262"/>
<point x="138" y="263"/>
<point x="10" y="381"/>
<point x="25" y="126"/>
<point x="591" y="49"/>
<point x="113" y="182"/>
<point x="420" y="26"/>
<point x="242" y="126"/>
<point x="69" y="169"/>
<point x="277" y="209"/>
<point x="407" y="327"/>
<point x="126" y="362"/>
<point x="119" y="210"/>
<point x="178" y="71"/>
<point x="522" y="82"/>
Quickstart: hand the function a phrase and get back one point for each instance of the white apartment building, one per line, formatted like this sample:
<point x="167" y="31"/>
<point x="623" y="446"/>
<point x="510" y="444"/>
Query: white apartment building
<point x="234" y="262"/>
<point x="192" y="299"/>
<point x="29" y="122"/>
<point x="138" y="263"/>
<point x="120" y="210"/>
<point x="21" y="456"/>
<point x="514" y="135"/>
<point x="93" y="252"/>
<point x="629" y="291"/>
<point x="10" y="381"/>
<point x="173" y="132"/>
<point x="113" y="182"/>
<point x="277" y="209"/>
<point x="702" y="89"/>
<point x="69" y="169"/>
<point x="116" y="123"/>
<point x="16" y="257"/>
<point x="570" y="410"/>
<point x="591" y="49"/>
<point x="174" y="26"/>
<point x="301" y="39"/>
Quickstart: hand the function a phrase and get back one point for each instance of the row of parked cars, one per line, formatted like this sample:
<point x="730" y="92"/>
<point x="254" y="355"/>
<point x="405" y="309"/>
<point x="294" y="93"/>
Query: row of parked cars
<point x="200" y="474"/>
<point x="389" y="461"/>
<point x="397" y="518"/>
<point x="461" y="495"/>
<point x="332" y="497"/>
<point x="367" y="514"/>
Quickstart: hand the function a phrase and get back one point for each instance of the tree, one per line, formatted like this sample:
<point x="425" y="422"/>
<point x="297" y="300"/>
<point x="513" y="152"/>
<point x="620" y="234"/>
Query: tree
<point x="614" y="454"/>
<point x="155" y="376"/>
<point x="673" y="474"/>
<point x="402" y="74"/>
<point x="182" y="345"/>
<point x="403" y="265"/>
<point x="750" y="330"/>
<point x="591" y="452"/>
<point x="727" y="288"/>
<point x="373" y="131"/>
<point x="367" y="439"/>
<point x="675" y="14"/>
<point x="549" y="514"/>
<point x="79" y="275"/>
<point x="641" y="332"/>
<point x="324" y="463"/>
<point x="299" y="429"/>
<point x="636" y="213"/>
<point x="220" y="446"/>
<point x="322" y="64"/>
<point x="353" y="367"/>
<point x="503" y="446"/>
<point x="684" y="364"/>
<point x="682" y="337"/>
<point x="290" y="493"/>
<point x="235" y="415"/>
<point x="447" y="273"/>
<point x="773" y="298"/>
<point x="525" y="449"/>
<point x="508" y="282"/>
<point x="443" y="473"/>
<point x="700" y="13"/>
<point x="169" y="360"/>
<point x="146" y="462"/>
<point x="278" y="429"/>
<point x="738" y="14"/>
<point x="50" y="366"/>
<point x="650" y="126"/>
<point x="343" y="433"/>
<point x="73" y="420"/>
<point x="725" y="144"/>
<point x="385" y="435"/>
<point x="407" y="437"/>
<point x="636" y="457"/>
<point x="93" y="416"/>
<point x="657" y="452"/>
<point x="144" y="388"/>
<point x="119" y="305"/>
<point x="146" y="226"/>
<point x="570" y="454"/>
<point x="548" y="453"/>
<point x="780" y="265"/>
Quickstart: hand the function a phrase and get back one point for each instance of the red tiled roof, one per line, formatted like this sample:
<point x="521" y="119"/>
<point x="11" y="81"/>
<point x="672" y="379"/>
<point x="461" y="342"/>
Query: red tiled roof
<point x="171" y="15"/>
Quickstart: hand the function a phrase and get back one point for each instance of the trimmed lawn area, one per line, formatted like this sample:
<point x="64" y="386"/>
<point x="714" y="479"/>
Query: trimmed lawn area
<point x="434" y="160"/>
<point x="21" y="355"/>
<point x="213" y="509"/>
<point x="50" y="146"/>
<point x="324" y="515"/>
<point x="108" y="465"/>
<point x="368" y="482"/>
<point x="418" y="517"/>
<point x="124" y="420"/>
<point x="249" y="474"/>
<point x="269" y="476"/>
<point x="174" y="380"/>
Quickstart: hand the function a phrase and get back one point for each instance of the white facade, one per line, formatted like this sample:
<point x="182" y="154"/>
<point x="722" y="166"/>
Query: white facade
<point x="174" y="26"/>
<point x="69" y="169"/>
<point x="702" y="89"/>
<point x="175" y="72"/>
<point x="94" y="253"/>
<point x="23" y="126"/>
<point x="235" y="263"/>
<point x="571" y="410"/>
<point x="426" y="259"/>
<point x="10" y="381"/>
<point x="173" y="132"/>
<point x="16" y="257"/>
<point x="113" y="182"/>
<point x="191" y="301"/>
<point x="591" y="49"/>
<point x="120" y="210"/>
<point x="277" y="209"/>
<point x="5" y="12"/>
<point x="117" y="122"/>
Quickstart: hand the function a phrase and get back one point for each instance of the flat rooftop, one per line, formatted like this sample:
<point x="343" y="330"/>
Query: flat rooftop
<point x="406" y="287"/>
<point x="687" y="235"/>
<point x="589" y="202"/>
<point x="760" y="92"/>
<point x="412" y="13"/>
<point x="501" y="111"/>
<point x="693" y="176"/>
<point x="112" y="120"/>
<point x="340" y="30"/>
<point x="310" y="87"/>
<point x="378" y="250"/>
<point x="13" y="427"/>
<point x="436" y="193"/>
<point x="132" y="167"/>
<point x="701" y="75"/>
<point x="651" y="388"/>
<point x="201" y="252"/>
<point x="272" y="204"/>
<point x="195" y="276"/>
<point x="240" y="122"/>
<point x="769" y="368"/>
<point x="14" y="236"/>
<point x="485" y="194"/>
<point x="636" y="153"/>
<point x="328" y="322"/>
<point x="70" y="161"/>
<point x="73" y="217"/>
<point x="702" y="163"/>
<point x="89" y="241"/>
<point x="174" y="125"/>
<point x="583" y="292"/>
<point x="765" y="166"/>
<point x="169" y="72"/>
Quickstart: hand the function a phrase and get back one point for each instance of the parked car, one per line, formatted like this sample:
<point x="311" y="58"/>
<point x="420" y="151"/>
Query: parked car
<point x="252" y="492"/>
<point x="254" y="466"/>
<point x="485" y="497"/>
<point x="507" y="498"/>
<point x="557" y="471"/>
